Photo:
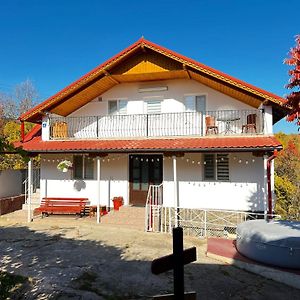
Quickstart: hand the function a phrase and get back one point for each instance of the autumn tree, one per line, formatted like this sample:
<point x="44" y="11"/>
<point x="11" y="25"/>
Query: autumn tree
<point x="294" y="83"/>
<point x="23" y="98"/>
<point x="287" y="177"/>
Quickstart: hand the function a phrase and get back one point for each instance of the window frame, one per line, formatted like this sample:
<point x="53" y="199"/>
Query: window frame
<point x="84" y="158"/>
<point x="216" y="167"/>
<point x="117" y="112"/>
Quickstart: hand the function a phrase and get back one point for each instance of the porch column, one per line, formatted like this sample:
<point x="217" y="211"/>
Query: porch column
<point x="265" y="188"/>
<point x="29" y="219"/>
<point x="176" y="204"/>
<point x="98" y="188"/>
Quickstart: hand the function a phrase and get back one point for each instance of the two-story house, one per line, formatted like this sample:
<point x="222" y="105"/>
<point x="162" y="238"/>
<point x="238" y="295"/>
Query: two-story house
<point x="150" y="116"/>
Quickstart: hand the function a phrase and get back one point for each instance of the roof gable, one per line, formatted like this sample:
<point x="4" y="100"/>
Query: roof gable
<point x="146" y="61"/>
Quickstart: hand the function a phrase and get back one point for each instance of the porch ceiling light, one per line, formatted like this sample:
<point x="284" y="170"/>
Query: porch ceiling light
<point x="153" y="89"/>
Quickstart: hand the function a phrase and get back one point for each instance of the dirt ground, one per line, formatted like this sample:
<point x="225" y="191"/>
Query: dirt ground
<point x="70" y="259"/>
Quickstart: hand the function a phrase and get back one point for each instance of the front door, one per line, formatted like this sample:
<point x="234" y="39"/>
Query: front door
<point x="143" y="171"/>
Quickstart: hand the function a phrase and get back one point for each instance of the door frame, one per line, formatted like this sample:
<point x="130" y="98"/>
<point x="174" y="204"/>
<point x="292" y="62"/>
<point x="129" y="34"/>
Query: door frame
<point x="161" y="156"/>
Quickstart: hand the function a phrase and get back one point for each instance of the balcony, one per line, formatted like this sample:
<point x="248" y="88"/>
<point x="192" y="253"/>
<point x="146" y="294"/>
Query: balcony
<point x="212" y="123"/>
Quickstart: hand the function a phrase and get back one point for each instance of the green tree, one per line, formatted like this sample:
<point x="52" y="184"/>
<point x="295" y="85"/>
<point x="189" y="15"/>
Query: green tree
<point x="287" y="178"/>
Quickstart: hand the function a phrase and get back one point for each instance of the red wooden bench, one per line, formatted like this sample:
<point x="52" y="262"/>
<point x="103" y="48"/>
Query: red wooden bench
<point x="54" y="205"/>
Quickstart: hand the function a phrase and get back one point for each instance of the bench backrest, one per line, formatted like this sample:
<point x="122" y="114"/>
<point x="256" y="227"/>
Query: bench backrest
<point x="56" y="201"/>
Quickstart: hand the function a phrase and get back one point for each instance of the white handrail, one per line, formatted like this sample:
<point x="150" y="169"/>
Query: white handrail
<point x="153" y="203"/>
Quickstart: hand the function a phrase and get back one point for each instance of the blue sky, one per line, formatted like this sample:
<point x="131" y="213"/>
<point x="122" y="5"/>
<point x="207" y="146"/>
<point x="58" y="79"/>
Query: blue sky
<point x="54" y="42"/>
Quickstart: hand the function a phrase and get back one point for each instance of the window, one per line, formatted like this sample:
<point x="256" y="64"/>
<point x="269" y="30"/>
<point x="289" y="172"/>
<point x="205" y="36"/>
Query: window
<point x="216" y="167"/>
<point x="83" y="167"/>
<point x="195" y="103"/>
<point x="116" y="107"/>
<point x="153" y="106"/>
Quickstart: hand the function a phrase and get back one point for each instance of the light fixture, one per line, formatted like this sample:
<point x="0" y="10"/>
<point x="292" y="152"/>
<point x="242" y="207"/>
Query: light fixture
<point x="153" y="89"/>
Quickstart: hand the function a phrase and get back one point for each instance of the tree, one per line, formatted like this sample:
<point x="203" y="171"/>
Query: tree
<point x="294" y="83"/>
<point x="287" y="177"/>
<point x="12" y="105"/>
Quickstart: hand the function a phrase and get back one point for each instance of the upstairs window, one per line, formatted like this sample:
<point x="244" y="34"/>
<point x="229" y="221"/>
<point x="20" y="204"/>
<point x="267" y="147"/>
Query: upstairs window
<point x="195" y="103"/>
<point x="83" y="167"/>
<point x="117" y="107"/>
<point x="216" y="167"/>
<point x="153" y="106"/>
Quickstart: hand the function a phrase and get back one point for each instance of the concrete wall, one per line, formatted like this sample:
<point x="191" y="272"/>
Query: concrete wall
<point x="10" y="183"/>
<point x="244" y="191"/>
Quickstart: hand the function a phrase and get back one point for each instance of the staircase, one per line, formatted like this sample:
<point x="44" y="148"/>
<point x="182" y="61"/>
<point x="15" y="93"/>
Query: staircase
<point x="35" y="201"/>
<point x="128" y="216"/>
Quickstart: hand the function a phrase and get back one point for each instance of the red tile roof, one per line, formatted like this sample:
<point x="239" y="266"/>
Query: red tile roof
<point x="140" y="43"/>
<point x="34" y="143"/>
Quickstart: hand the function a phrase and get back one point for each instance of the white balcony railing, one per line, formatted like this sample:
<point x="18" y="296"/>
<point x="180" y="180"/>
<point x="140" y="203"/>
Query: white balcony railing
<point x="222" y="122"/>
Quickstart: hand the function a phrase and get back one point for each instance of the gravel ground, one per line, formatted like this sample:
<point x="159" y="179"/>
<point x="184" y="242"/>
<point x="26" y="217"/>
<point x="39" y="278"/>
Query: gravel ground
<point x="71" y="259"/>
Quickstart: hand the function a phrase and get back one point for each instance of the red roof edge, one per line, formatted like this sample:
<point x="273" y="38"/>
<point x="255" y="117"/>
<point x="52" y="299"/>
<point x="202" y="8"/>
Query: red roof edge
<point x="143" y="41"/>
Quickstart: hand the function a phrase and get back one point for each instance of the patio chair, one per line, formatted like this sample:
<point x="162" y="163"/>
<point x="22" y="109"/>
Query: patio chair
<point x="210" y="123"/>
<point x="251" y="123"/>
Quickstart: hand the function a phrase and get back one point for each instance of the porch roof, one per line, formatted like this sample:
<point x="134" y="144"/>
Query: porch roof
<point x="34" y="144"/>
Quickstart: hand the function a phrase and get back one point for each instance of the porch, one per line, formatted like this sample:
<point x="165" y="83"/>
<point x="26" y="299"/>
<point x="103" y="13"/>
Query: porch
<point x="217" y="123"/>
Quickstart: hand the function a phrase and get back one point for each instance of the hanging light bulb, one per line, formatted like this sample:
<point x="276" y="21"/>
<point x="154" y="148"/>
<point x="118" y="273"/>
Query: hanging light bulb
<point x="193" y="161"/>
<point x="253" y="160"/>
<point x="246" y="162"/>
<point x="240" y="161"/>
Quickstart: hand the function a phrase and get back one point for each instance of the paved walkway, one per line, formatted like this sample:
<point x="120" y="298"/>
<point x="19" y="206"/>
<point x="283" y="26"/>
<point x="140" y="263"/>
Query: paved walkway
<point x="76" y="259"/>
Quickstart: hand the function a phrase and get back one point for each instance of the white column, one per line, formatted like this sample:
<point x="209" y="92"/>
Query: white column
<point x="98" y="188"/>
<point x="265" y="187"/>
<point x="175" y="189"/>
<point x="29" y="219"/>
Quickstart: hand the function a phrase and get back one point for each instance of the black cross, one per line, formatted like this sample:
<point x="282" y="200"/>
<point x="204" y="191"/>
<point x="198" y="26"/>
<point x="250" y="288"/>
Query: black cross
<point x="175" y="261"/>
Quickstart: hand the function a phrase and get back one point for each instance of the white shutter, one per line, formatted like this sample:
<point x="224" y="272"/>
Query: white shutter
<point x="122" y="107"/>
<point x="153" y="106"/>
<point x="189" y="103"/>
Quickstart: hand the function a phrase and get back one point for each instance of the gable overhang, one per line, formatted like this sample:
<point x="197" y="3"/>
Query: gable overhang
<point x="146" y="61"/>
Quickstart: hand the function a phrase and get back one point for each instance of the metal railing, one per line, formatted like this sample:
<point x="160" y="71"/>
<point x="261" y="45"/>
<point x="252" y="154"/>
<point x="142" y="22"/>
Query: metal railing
<point x="203" y="222"/>
<point x="36" y="175"/>
<point x="222" y="122"/>
<point x="153" y="206"/>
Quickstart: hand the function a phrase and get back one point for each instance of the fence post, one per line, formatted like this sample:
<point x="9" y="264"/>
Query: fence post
<point x="205" y="225"/>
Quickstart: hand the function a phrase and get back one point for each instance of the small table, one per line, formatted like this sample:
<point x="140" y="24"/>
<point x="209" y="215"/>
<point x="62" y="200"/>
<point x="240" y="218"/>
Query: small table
<point x="228" y="121"/>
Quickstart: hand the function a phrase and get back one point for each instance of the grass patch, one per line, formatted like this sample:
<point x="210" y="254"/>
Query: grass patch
<point x="10" y="284"/>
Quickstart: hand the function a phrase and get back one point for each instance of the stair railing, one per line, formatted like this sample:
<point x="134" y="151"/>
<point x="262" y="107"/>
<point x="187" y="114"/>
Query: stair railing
<point x="153" y="207"/>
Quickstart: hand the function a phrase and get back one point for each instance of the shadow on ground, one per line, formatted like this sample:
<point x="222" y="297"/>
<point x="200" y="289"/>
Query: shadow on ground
<point x="64" y="263"/>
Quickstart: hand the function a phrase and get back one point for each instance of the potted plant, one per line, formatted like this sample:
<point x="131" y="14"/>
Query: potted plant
<point x="64" y="166"/>
<point x="117" y="201"/>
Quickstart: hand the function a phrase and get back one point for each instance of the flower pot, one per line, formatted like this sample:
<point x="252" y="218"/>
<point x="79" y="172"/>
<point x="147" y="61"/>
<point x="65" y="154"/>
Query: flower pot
<point x="117" y="201"/>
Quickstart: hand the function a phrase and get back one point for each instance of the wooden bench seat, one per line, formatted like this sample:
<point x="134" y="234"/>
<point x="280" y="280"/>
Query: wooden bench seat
<point x="55" y="205"/>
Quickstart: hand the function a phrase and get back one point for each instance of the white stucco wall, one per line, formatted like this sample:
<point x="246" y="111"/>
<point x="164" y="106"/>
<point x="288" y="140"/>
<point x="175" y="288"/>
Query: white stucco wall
<point x="55" y="183"/>
<point x="244" y="191"/>
<point x="173" y="100"/>
<point x="10" y="183"/>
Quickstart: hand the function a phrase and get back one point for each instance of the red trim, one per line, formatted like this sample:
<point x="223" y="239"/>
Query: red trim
<point x="137" y="44"/>
<point x="270" y="206"/>
<point x="22" y="131"/>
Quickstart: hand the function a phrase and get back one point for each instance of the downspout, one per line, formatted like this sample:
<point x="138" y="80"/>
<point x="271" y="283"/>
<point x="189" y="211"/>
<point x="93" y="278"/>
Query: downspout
<point x="270" y="208"/>
<point x="22" y="131"/>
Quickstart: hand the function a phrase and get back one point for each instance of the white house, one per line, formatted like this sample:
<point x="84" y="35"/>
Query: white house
<point x="150" y="116"/>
